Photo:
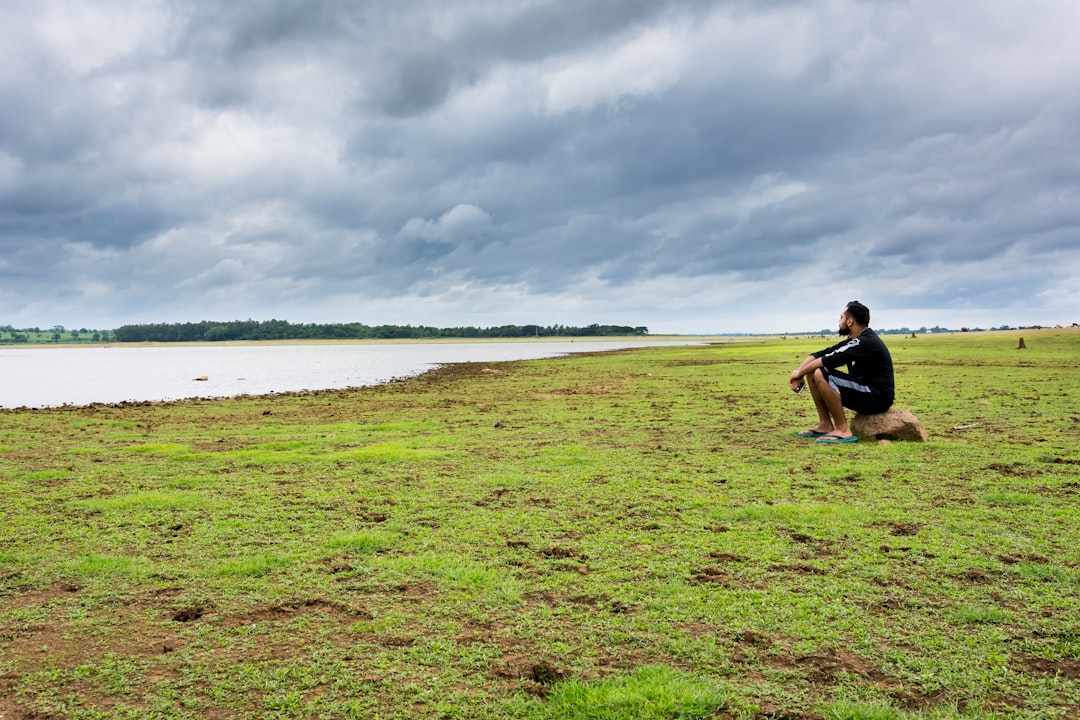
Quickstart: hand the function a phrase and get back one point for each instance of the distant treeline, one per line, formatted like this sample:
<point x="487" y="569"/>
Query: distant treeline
<point x="209" y="331"/>
<point x="10" y="335"/>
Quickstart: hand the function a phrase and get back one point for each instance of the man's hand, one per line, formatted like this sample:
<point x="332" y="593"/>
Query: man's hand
<point x="798" y="375"/>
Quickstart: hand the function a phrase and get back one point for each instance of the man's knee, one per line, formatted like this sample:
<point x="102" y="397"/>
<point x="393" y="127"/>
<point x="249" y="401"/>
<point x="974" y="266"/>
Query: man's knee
<point x="821" y="380"/>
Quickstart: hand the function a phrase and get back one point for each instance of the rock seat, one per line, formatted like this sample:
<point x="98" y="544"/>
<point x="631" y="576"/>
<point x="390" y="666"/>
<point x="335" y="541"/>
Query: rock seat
<point x="893" y="424"/>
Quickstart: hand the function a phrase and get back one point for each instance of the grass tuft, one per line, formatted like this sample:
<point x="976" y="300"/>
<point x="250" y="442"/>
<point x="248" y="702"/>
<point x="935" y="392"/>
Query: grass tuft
<point x="363" y="542"/>
<point x="650" y="693"/>
<point x="861" y="710"/>
<point x="249" y="567"/>
<point x="980" y="614"/>
<point x="104" y="567"/>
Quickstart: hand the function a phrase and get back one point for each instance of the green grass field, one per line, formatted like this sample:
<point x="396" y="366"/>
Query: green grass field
<point x="634" y="534"/>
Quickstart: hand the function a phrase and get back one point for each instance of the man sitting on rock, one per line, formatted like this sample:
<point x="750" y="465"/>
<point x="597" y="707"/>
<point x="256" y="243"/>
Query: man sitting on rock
<point x="866" y="387"/>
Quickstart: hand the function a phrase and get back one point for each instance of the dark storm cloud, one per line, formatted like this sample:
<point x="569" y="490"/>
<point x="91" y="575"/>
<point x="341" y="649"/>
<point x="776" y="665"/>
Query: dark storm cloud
<point x="659" y="163"/>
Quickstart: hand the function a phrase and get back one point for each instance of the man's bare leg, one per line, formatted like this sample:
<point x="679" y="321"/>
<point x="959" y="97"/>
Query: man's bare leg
<point x="825" y="423"/>
<point x="831" y="418"/>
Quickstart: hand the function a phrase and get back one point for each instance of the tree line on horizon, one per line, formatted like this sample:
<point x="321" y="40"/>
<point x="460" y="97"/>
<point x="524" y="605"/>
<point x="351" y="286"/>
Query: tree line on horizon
<point x="10" y="335"/>
<point x="212" y="331"/>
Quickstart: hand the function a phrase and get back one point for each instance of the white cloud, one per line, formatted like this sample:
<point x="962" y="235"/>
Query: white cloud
<point x="644" y="66"/>
<point x="769" y="189"/>
<point x="458" y="222"/>
<point x="86" y="36"/>
<point x="224" y="272"/>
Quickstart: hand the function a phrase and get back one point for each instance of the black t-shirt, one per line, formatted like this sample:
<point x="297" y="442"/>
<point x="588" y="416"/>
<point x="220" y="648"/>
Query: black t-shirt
<point x="867" y="358"/>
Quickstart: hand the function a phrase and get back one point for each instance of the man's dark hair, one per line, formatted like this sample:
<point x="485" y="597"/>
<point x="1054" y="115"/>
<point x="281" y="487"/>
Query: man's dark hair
<point x="858" y="312"/>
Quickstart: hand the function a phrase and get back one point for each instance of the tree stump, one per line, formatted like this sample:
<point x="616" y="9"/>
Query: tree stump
<point x="1021" y="346"/>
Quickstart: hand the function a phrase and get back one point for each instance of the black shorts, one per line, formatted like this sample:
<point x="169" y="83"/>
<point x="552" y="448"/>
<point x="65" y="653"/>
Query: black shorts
<point x="856" y="396"/>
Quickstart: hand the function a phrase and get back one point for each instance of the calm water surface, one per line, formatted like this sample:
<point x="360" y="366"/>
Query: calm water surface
<point x="46" y="377"/>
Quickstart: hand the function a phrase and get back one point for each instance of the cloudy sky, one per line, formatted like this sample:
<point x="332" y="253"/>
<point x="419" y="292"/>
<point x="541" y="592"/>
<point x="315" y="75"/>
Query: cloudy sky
<point x="692" y="166"/>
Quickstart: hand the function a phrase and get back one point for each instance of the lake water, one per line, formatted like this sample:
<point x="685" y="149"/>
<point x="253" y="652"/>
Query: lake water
<point x="48" y="377"/>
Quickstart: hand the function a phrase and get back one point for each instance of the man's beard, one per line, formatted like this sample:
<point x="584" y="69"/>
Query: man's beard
<point x="845" y="331"/>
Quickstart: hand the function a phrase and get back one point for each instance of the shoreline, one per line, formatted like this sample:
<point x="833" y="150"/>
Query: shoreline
<point x="182" y="391"/>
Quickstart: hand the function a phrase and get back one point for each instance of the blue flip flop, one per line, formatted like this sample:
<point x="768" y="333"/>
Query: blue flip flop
<point x="811" y="434"/>
<point x="831" y="439"/>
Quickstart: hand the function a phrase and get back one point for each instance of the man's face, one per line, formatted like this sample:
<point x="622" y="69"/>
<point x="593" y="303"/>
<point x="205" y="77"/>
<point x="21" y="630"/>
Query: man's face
<point x="845" y="324"/>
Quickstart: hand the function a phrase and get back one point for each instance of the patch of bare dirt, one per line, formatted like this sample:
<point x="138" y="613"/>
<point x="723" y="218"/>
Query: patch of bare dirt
<point x="1012" y="559"/>
<point x="416" y="591"/>
<point x="558" y="552"/>
<point x="710" y="575"/>
<point x="827" y="665"/>
<point x="62" y="644"/>
<point x="602" y="389"/>
<point x="799" y="568"/>
<point x="395" y="641"/>
<point x="295" y="608"/>
<point x="893" y="603"/>
<point x="769" y="711"/>
<point x="749" y="637"/>
<point x="1064" y="490"/>
<point x="57" y="591"/>
<point x="223" y="445"/>
<point x="905" y="529"/>
<point x="819" y="547"/>
<point x="1068" y="668"/>
<point x="536" y="674"/>
<point x="1016" y="469"/>
<point x="603" y="603"/>
<point x="976" y="576"/>
<point x="913" y="699"/>
<point x="698" y="362"/>
<point x="188" y="614"/>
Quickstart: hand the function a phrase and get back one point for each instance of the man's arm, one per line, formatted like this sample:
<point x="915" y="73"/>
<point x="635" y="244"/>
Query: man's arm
<point x="809" y="365"/>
